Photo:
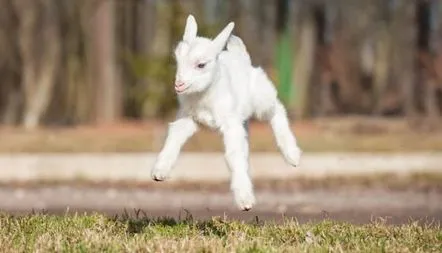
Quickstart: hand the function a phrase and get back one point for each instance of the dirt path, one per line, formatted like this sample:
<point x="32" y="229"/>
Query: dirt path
<point x="355" y="202"/>
<point x="353" y="205"/>
<point x="208" y="166"/>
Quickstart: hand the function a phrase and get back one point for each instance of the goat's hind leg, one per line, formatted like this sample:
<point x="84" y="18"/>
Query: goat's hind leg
<point x="285" y="138"/>
<point x="269" y="108"/>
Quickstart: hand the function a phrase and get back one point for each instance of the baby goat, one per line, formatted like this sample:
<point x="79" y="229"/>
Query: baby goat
<point x="222" y="90"/>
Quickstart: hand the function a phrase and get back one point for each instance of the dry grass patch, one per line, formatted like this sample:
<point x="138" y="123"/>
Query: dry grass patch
<point x="98" y="233"/>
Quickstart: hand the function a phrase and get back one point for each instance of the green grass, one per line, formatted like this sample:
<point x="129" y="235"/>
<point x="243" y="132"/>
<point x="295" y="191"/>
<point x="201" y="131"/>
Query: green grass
<point x="99" y="233"/>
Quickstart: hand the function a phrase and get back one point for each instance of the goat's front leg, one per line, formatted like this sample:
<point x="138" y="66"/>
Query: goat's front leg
<point x="237" y="158"/>
<point x="178" y="133"/>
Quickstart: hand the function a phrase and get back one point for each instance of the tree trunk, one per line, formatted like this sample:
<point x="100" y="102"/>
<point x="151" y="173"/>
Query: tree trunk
<point x="267" y="24"/>
<point x="40" y="58"/>
<point x="304" y="66"/>
<point x="436" y="50"/>
<point x="13" y="102"/>
<point x="79" y="91"/>
<point x="105" y="77"/>
<point x="403" y="35"/>
<point x="10" y="88"/>
<point x="381" y="68"/>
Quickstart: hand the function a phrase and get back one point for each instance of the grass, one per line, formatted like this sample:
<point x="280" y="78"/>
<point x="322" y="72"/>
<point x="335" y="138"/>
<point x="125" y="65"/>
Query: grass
<point x="99" y="233"/>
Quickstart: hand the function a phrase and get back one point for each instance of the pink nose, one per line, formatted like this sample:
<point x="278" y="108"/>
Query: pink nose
<point x="179" y="84"/>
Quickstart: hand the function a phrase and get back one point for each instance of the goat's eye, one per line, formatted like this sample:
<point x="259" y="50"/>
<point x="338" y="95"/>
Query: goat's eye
<point x="201" y="65"/>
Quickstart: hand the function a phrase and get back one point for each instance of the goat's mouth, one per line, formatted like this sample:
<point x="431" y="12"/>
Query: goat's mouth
<point x="181" y="89"/>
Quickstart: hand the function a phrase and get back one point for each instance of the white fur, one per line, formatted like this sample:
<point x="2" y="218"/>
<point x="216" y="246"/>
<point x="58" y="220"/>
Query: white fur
<point x="223" y="95"/>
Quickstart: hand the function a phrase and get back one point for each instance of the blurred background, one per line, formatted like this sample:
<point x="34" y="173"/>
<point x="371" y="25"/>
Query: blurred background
<point x="101" y="61"/>
<point x="93" y="80"/>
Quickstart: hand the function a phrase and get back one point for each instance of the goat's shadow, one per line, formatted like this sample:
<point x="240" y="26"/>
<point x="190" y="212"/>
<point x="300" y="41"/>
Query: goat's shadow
<point x="139" y="220"/>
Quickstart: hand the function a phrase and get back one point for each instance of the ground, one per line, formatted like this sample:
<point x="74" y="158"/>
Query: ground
<point x="322" y="135"/>
<point x="356" y="200"/>
<point x="382" y="213"/>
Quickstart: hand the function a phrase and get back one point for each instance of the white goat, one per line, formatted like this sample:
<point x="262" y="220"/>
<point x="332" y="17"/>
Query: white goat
<point x="222" y="90"/>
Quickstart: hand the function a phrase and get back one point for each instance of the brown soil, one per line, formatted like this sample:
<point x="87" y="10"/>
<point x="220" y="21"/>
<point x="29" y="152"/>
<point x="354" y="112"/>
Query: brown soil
<point x="356" y="199"/>
<point x="356" y="206"/>
<point x="334" y="134"/>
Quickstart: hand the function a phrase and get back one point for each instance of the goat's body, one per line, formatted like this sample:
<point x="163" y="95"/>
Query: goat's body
<point x="237" y="92"/>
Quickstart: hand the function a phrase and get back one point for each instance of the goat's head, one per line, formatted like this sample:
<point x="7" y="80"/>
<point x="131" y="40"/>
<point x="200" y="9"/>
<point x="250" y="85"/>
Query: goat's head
<point x="196" y="58"/>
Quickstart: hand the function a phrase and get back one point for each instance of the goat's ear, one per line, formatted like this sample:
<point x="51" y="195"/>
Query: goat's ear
<point x="190" y="30"/>
<point x="221" y="39"/>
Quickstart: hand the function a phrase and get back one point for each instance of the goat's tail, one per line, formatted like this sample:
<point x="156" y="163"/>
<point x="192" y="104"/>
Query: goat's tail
<point x="236" y="45"/>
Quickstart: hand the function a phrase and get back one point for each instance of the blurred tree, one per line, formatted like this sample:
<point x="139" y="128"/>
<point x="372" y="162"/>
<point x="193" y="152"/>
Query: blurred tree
<point x="383" y="56"/>
<point x="105" y="72"/>
<point x="84" y="61"/>
<point x="404" y="36"/>
<point x="266" y="23"/>
<point x="73" y="99"/>
<point x="326" y="20"/>
<point x="305" y="47"/>
<point x="430" y="40"/>
<point x="437" y="48"/>
<point x="40" y="57"/>
<point x="10" y="88"/>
